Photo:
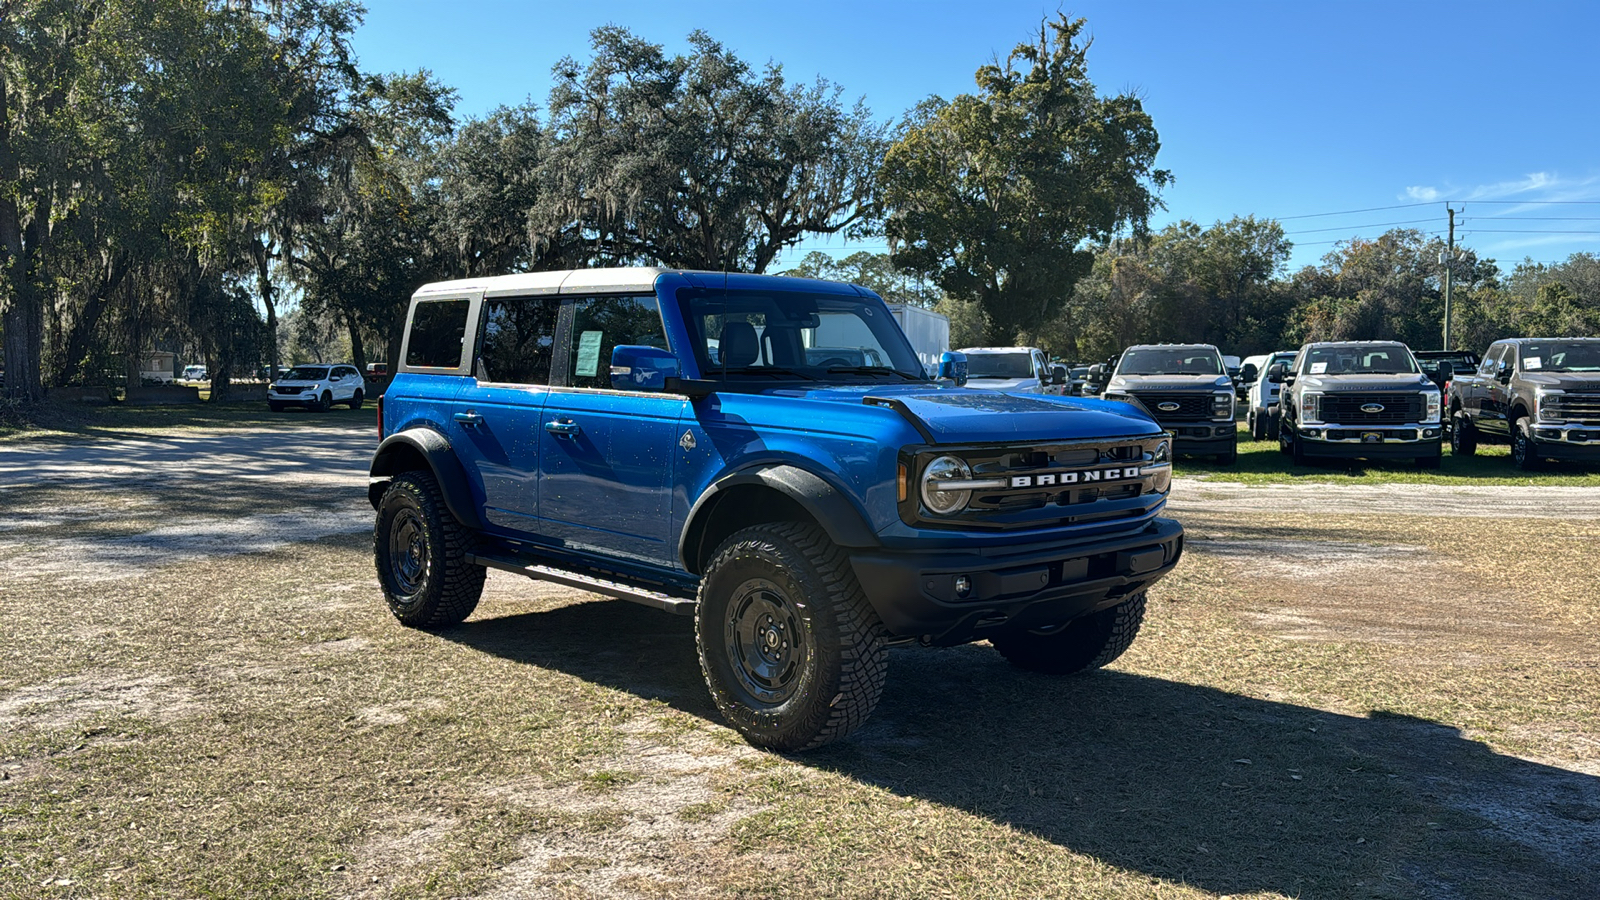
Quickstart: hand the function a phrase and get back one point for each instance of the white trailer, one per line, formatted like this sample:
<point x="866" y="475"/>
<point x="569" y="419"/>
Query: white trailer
<point x="928" y="331"/>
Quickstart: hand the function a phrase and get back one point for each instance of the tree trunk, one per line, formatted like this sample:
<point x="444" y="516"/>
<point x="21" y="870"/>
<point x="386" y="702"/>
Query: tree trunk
<point x="357" y="351"/>
<point x="263" y="254"/>
<point x="77" y="347"/>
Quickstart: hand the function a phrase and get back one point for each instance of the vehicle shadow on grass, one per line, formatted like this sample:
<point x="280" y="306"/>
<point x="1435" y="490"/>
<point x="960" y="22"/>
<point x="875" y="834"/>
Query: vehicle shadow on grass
<point x="1262" y="459"/>
<point x="1181" y="782"/>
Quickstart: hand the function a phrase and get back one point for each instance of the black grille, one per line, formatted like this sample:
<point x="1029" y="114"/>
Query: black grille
<point x="289" y="390"/>
<point x="1191" y="405"/>
<point x="1355" y="434"/>
<point x="1574" y="407"/>
<point x="1347" y="409"/>
<point x="1072" y="503"/>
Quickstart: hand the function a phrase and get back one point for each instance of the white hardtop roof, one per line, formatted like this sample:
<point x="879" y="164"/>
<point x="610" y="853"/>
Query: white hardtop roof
<point x="619" y="280"/>
<point x="998" y="349"/>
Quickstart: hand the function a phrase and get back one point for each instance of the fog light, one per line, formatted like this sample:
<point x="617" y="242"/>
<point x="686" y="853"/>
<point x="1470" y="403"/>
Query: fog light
<point x="1549" y="434"/>
<point x="1225" y="429"/>
<point x="963" y="586"/>
<point x="1430" y="432"/>
<point x="1312" y="432"/>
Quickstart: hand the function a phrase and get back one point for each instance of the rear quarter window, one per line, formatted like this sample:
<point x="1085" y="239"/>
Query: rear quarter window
<point x="438" y="328"/>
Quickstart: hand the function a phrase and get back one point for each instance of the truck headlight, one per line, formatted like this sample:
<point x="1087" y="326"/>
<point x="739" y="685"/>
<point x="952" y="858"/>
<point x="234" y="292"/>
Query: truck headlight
<point x="1222" y="405"/>
<point x="936" y="498"/>
<point x="1433" y="407"/>
<point x="1310" y="407"/>
<point x="1543" y="400"/>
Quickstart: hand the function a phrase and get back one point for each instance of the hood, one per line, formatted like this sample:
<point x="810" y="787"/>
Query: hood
<point x="972" y="416"/>
<point x="1170" y="383"/>
<point x="1005" y="384"/>
<point x="1335" y="383"/>
<point x="1566" y="381"/>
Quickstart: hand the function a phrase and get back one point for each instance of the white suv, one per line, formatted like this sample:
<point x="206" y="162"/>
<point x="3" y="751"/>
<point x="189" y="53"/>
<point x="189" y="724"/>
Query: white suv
<point x="317" y="388"/>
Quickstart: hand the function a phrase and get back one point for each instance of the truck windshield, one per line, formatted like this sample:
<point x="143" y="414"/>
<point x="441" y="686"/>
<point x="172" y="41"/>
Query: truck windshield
<point x="765" y="336"/>
<point x="1000" y="365"/>
<point x="1561" y="356"/>
<point x="1363" y="359"/>
<point x="1170" y="361"/>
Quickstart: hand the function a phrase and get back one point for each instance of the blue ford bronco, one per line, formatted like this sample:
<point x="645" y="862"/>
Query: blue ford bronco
<point x="767" y="455"/>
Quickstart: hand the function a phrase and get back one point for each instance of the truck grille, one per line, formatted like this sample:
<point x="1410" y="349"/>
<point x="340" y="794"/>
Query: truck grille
<point x="1583" y="408"/>
<point x="288" y="390"/>
<point x="1192" y="405"/>
<point x="1396" y="409"/>
<point x="1089" y="497"/>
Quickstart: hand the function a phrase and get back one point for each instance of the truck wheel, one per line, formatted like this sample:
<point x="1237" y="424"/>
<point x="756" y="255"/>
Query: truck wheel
<point x="1229" y="458"/>
<point x="1524" y="449"/>
<point x="790" y="648"/>
<point x="1463" y="436"/>
<point x="356" y="399"/>
<point x="323" y="403"/>
<point x="421" y="554"/>
<point x="1429" y="462"/>
<point x="1086" y="643"/>
<point x="1272" y="426"/>
<point x="275" y="406"/>
<point x="1258" y="429"/>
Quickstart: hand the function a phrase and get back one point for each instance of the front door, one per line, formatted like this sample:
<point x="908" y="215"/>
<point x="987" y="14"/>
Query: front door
<point x="606" y="453"/>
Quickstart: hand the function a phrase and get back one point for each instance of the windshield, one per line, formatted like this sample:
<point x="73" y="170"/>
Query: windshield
<point x="788" y="335"/>
<point x="1561" y="356"/>
<point x="1170" y="361"/>
<point x="1000" y="365"/>
<point x="305" y="373"/>
<point x="1364" y="359"/>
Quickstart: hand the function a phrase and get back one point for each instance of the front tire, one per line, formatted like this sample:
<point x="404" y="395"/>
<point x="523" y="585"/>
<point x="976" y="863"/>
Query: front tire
<point x="1086" y="643"/>
<point x="1524" y="449"/>
<point x="420" y="551"/>
<point x="792" y="652"/>
<point x="356" y="399"/>
<point x="275" y="406"/>
<point x="1230" y="457"/>
<point x="1258" y="427"/>
<point x="323" y="403"/>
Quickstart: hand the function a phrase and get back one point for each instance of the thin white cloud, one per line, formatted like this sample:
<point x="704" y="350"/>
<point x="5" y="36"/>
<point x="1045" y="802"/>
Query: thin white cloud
<point x="1422" y="194"/>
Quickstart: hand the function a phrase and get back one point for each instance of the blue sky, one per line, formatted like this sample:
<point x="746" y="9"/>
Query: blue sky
<point x="1290" y="110"/>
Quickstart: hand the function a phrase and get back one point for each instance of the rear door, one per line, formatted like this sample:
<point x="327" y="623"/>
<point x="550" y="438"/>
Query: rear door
<point x="1481" y="401"/>
<point x="607" y="453"/>
<point x="498" y="411"/>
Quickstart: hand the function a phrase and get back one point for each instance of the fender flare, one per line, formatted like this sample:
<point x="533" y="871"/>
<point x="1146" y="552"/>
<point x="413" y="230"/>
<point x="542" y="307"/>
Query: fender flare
<point x="845" y="524"/>
<point x="435" y="450"/>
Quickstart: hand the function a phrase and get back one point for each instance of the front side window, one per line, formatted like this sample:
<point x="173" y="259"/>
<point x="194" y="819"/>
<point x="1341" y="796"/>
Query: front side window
<point x="761" y="337"/>
<point x="602" y="323"/>
<point x="437" y="331"/>
<point x="1491" y="359"/>
<point x="1170" y="361"/>
<point x="519" y="336"/>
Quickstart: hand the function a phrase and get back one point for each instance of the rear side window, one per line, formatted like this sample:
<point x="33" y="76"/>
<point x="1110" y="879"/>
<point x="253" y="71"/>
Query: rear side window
<point x="601" y="323"/>
<point x="519" y="340"/>
<point x="437" y="330"/>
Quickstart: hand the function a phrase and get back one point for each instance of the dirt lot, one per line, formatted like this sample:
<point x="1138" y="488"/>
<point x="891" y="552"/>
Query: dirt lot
<point x="1344" y="692"/>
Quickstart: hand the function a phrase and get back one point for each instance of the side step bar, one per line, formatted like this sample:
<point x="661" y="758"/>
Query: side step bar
<point x="680" y="606"/>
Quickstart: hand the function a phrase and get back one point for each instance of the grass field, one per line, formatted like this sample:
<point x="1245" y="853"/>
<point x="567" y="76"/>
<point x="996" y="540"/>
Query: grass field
<point x="67" y="422"/>
<point x="1260" y="462"/>
<point x="202" y="695"/>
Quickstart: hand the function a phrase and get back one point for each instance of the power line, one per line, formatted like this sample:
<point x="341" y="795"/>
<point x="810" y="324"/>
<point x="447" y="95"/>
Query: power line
<point x="1526" y="231"/>
<point x="1347" y="212"/>
<point x="1353" y="227"/>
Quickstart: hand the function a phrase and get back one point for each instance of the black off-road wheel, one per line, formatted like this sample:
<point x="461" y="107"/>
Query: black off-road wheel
<point x="1258" y="426"/>
<point x="1463" y="436"/>
<point x="1524" y="448"/>
<point x="421" y="554"/>
<point x="1272" y="426"/>
<point x="357" y="399"/>
<point x="1086" y="643"/>
<point x="791" y="650"/>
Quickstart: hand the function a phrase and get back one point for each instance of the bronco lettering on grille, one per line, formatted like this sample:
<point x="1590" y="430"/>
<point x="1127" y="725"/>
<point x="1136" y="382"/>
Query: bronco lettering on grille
<point x="1019" y="482"/>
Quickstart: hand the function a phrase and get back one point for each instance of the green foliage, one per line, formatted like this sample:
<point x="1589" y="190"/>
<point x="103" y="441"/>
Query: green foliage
<point x="994" y="195"/>
<point x="698" y="160"/>
<point x="873" y="271"/>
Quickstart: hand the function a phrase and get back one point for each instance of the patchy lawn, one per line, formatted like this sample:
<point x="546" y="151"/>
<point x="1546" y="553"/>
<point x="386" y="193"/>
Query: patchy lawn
<point x="1260" y="462"/>
<point x="202" y="695"/>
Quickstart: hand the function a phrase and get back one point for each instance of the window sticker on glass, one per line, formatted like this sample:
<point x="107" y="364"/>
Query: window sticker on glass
<point x="1533" y="362"/>
<point x="589" y="354"/>
<point x="1319" y="368"/>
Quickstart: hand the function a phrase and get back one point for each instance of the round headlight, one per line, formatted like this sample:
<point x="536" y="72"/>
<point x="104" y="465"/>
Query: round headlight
<point x="941" y="502"/>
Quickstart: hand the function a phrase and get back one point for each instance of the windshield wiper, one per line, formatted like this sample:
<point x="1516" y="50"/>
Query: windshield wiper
<point x="871" y="370"/>
<point x="773" y="371"/>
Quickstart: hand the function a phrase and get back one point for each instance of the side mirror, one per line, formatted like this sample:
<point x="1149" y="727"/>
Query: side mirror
<point x="1276" y="373"/>
<point x="1249" y="373"/>
<point x="1097" y="373"/>
<point x="1058" y="375"/>
<point x="1447" y="370"/>
<point x="641" y="368"/>
<point x="953" y="367"/>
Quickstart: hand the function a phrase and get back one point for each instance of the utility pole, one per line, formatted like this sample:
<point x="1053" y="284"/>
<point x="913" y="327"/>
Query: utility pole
<point x="1448" y="259"/>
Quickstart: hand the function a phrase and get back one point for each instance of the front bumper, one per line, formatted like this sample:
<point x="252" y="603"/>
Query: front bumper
<point x="1203" y="437"/>
<point x="1012" y="588"/>
<point x="1357" y="441"/>
<point x="1575" y="443"/>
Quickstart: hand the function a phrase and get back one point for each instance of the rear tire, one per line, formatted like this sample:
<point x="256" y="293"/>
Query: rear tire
<point x="420" y="551"/>
<point x="792" y="652"/>
<point x="1087" y="643"/>
<point x="1463" y="436"/>
<point x="356" y="399"/>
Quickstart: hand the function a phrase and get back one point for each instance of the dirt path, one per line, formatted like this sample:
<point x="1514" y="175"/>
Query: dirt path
<point x="1496" y="501"/>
